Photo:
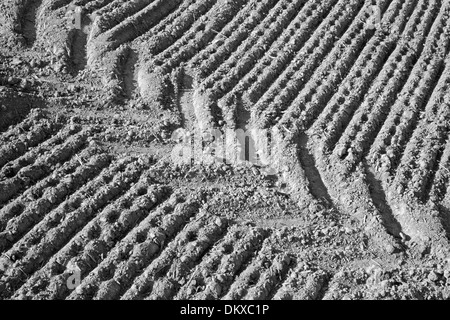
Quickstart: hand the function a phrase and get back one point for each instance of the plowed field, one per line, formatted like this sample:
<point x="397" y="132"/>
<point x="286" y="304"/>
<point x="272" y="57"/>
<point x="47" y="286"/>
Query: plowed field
<point x="224" y="149"/>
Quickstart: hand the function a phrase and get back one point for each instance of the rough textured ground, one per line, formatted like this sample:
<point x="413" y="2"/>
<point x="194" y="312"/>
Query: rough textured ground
<point x="356" y="100"/>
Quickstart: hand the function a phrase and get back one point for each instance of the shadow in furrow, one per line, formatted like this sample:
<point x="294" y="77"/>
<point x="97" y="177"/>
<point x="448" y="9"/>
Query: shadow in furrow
<point x="316" y="184"/>
<point x="379" y="200"/>
<point x="29" y="22"/>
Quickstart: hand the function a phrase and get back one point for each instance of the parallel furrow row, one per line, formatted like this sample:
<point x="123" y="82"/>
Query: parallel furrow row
<point x="29" y="197"/>
<point x="16" y="227"/>
<point x="270" y="278"/>
<point x="370" y="116"/>
<point x="282" y="53"/>
<point x="230" y="37"/>
<point x="187" y="257"/>
<point x="131" y="28"/>
<point x="217" y="281"/>
<point x="251" y="274"/>
<point x="424" y="150"/>
<point x="308" y="105"/>
<point x="31" y="135"/>
<point x="31" y="167"/>
<point x="340" y="109"/>
<point x="61" y="224"/>
<point x="287" y="86"/>
<point x="87" y="248"/>
<point x="301" y="285"/>
<point x="426" y="83"/>
<point x="251" y="50"/>
<point x="113" y="14"/>
<point x="30" y="156"/>
<point x="201" y="33"/>
<point x="442" y="177"/>
<point x="209" y="264"/>
<point x="277" y="58"/>
<point x="172" y="28"/>
<point x="132" y="254"/>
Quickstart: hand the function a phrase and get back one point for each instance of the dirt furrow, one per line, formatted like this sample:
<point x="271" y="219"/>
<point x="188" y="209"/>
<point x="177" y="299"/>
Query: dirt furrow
<point x="270" y="278"/>
<point x="170" y="29"/>
<point x="36" y="134"/>
<point x="231" y="264"/>
<point x="130" y="29"/>
<point x="198" y="37"/>
<point x="29" y="22"/>
<point x="308" y="105"/>
<point x="251" y="274"/>
<point x="179" y="271"/>
<point x="424" y="85"/>
<point x="380" y="200"/>
<point x="108" y="19"/>
<point x="278" y="60"/>
<point x="13" y="167"/>
<point x="29" y="196"/>
<point x="209" y="264"/>
<point x="135" y="252"/>
<point x="254" y="48"/>
<point x="308" y="163"/>
<point x="368" y="119"/>
<point x="224" y="149"/>
<point x="97" y="238"/>
<point x="57" y="228"/>
<point x="441" y="177"/>
<point x="284" y="90"/>
<point x="143" y="284"/>
<point x="200" y="34"/>
<point x="34" y="116"/>
<point x="421" y="154"/>
<point x="39" y="168"/>
<point x="302" y="285"/>
<point x="241" y="62"/>
<point x="429" y="179"/>
<point x="52" y="197"/>
<point x="230" y="37"/>
<point x="340" y="108"/>
<point x="95" y="6"/>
